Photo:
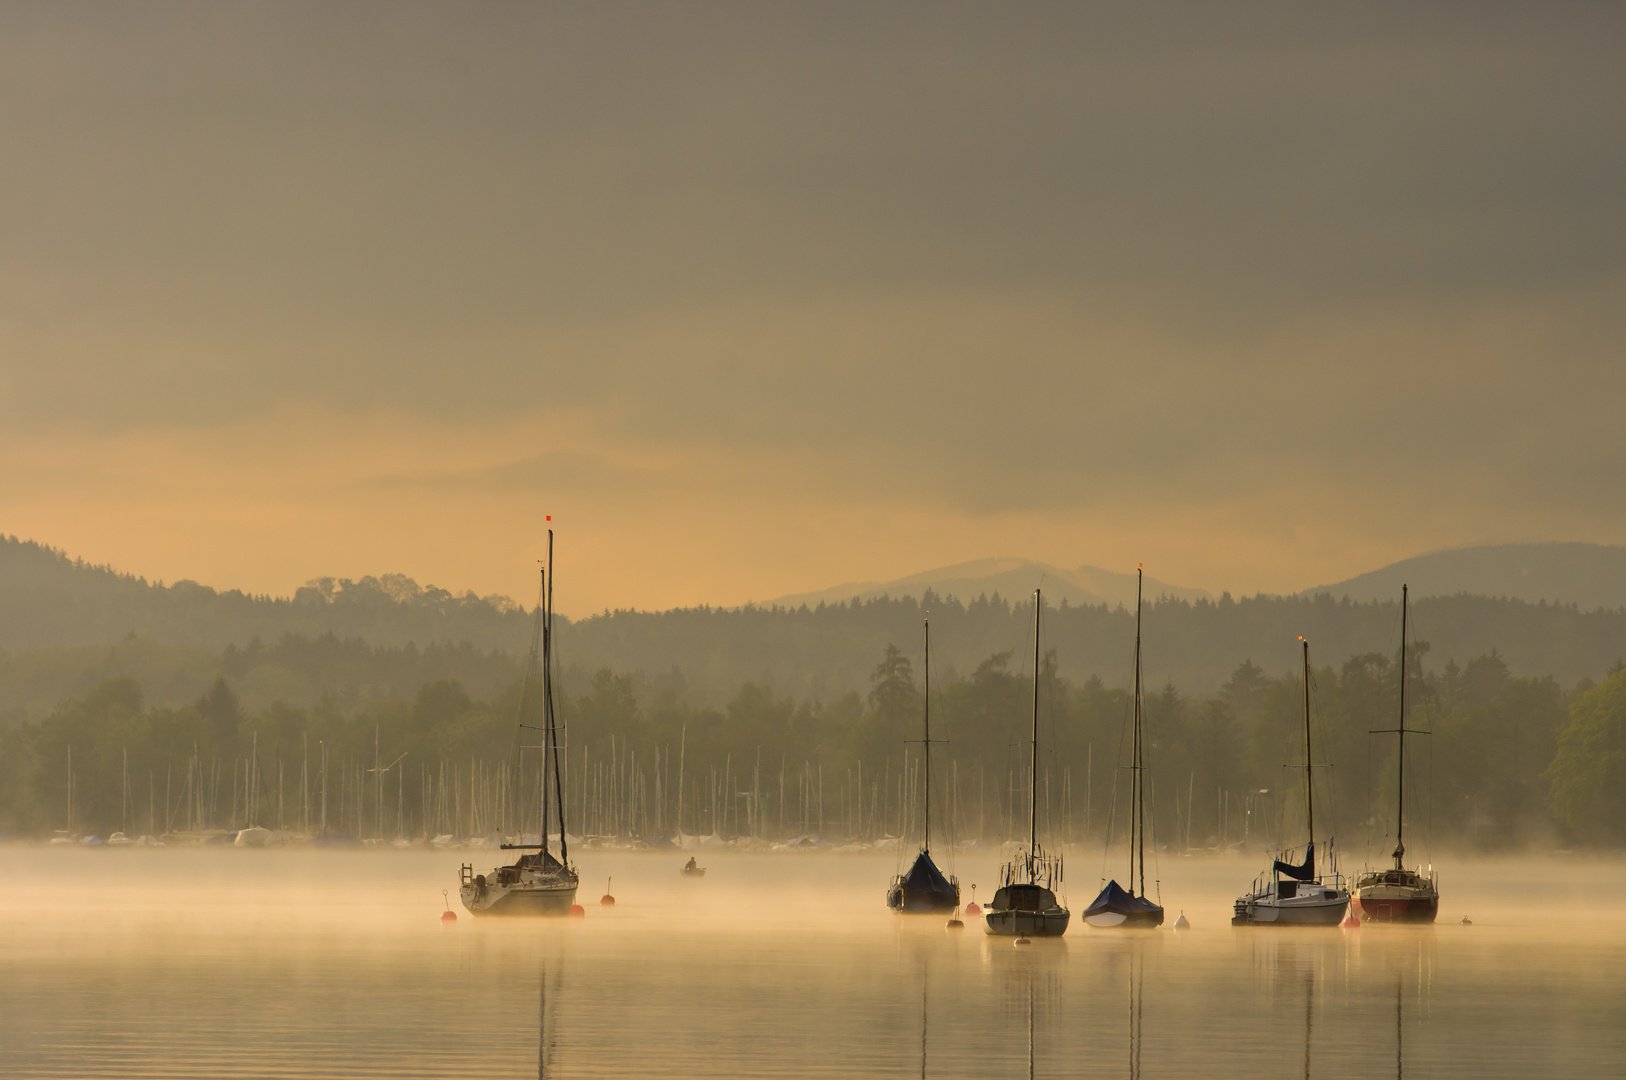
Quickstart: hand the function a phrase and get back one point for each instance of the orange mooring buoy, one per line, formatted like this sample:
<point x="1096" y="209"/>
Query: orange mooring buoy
<point x="1350" y="922"/>
<point x="447" y="916"/>
<point x="577" y="911"/>
<point x="607" y="900"/>
<point x="972" y="908"/>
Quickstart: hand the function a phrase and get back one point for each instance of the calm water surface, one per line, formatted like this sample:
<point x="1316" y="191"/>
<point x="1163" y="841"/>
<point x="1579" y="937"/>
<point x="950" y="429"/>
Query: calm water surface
<point x="177" y="963"/>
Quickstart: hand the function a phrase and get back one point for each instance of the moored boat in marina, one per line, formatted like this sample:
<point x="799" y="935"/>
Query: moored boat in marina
<point x="1025" y="904"/>
<point x="538" y="883"/>
<point x="1118" y="907"/>
<point x="1398" y="893"/>
<point x="1298" y="893"/>
<point x="1279" y="898"/>
<point x="925" y="890"/>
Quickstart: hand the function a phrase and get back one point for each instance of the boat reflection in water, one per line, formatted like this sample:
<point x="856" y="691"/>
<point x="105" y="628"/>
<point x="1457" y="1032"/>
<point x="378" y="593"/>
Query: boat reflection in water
<point x="1400" y="1034"/>
<point x="1137" y="981"/>
<point x="547" y="1035"/>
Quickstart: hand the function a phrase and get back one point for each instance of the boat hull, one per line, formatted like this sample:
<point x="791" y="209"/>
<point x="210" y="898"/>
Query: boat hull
<point x="1119" y="909"/>
<point x="1113" y="920"/>
<point x="1268" y="911"/>
<point x="1019" y="923"/>
<point x="915" y="902"/>
<point x="518" y="899"/>
<point x="1396" y="909"/>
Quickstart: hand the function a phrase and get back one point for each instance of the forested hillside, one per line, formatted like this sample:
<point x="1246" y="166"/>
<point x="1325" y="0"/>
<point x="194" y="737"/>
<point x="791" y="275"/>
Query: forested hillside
<point x="164" y="694"/>
<point x="48" y="599"/>
<point x="828" y="651"/>
<point x="64" y="624"/>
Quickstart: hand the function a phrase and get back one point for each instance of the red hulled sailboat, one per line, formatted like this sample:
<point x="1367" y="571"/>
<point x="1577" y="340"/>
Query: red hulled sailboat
<point x="1399" y="893"/>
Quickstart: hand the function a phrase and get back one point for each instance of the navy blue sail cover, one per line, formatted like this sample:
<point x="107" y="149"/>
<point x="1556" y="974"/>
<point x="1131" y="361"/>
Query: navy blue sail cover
<point x="925" y="877"/>
<point x="1119" y="901"/>
<point x="1303" y="872"/>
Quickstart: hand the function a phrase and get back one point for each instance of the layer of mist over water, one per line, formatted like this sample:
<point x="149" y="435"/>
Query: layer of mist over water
<point x="200" y="962"/>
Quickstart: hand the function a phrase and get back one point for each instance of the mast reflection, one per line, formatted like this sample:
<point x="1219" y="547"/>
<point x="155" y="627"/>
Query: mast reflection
<point x="1136" y="987"/>
<point x="547" y="1035"/>
<point x="1400" y="1035"/>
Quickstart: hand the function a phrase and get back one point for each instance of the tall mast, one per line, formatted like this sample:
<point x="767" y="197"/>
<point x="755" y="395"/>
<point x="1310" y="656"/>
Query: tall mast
<point x="1033" y="777"/>
<point x="1309" y="768"/>
<point x="927" y="846"/>
<point x="526" y="705"/>
<point x="552" y="735"/>
<point x="1138" y="812"/>
<point x="1400" y="815"/>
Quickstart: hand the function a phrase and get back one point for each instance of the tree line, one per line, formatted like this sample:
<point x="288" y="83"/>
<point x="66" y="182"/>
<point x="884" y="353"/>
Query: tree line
<point x="64" y="624"/>
<point x="1510" y="761"/>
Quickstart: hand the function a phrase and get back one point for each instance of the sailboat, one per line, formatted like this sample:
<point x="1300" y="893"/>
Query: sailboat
<point x="924" y="890"/>
<point x="1398" y="894"/>
<point x="1118" y="906"/>
<point x="537" y="883"/>
<point x="1025" y="904"/>
<point x="1296" y="894"/>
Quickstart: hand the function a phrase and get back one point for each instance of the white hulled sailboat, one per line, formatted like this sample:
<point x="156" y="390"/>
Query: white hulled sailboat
<point x="1297" y="894"/>
<point x="536" y="883"/>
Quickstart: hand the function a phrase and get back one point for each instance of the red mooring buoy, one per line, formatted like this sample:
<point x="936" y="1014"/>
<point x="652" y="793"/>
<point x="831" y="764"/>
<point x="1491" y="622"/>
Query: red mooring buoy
<point x="577" y="911"/>
<point x="1350" y="922"/>
<point x="973" y="909"/>
<point x="448" y="916"/>
<point x="607" y="900"/>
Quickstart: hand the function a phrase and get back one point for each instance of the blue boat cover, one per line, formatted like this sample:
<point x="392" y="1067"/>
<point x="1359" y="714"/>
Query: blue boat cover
<point x="1304" y="871"/>
<point x="1119" y="901"/>
<point x="925" y="877"/>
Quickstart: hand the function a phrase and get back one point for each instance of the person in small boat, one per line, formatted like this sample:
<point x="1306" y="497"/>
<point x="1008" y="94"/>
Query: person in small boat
<point x="692" y="865"/>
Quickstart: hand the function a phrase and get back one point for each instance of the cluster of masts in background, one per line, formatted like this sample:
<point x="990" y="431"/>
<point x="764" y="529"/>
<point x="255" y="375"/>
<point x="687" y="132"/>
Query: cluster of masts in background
<point x="619" y="801"/>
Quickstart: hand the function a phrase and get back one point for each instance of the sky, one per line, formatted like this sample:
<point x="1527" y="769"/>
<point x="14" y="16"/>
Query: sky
<point x="756" y="299"/>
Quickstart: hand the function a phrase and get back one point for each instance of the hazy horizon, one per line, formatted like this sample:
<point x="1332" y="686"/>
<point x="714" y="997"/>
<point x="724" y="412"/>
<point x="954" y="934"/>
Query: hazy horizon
<point x="757" y="301"/>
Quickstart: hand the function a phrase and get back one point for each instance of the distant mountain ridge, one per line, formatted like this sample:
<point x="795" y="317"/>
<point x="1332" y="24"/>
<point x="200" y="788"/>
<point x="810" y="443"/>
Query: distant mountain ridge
<point x="1011" y="578"/>
<point x="1590" y="576"/>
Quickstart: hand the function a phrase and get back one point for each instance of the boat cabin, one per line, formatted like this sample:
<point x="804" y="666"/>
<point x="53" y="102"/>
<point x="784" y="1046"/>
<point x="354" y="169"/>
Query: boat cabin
<point x="1023" y="898"/>
<point x="1287" y="890"/>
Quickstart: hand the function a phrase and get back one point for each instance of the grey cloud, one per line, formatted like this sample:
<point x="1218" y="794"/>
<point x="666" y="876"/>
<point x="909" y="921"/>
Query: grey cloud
<point x="467" y="211"/>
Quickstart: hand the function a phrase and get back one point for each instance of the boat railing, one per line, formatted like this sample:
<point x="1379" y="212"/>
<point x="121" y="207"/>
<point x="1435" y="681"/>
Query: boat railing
<point x="1029" y="866"/>
<point x="1267" y="883"/>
